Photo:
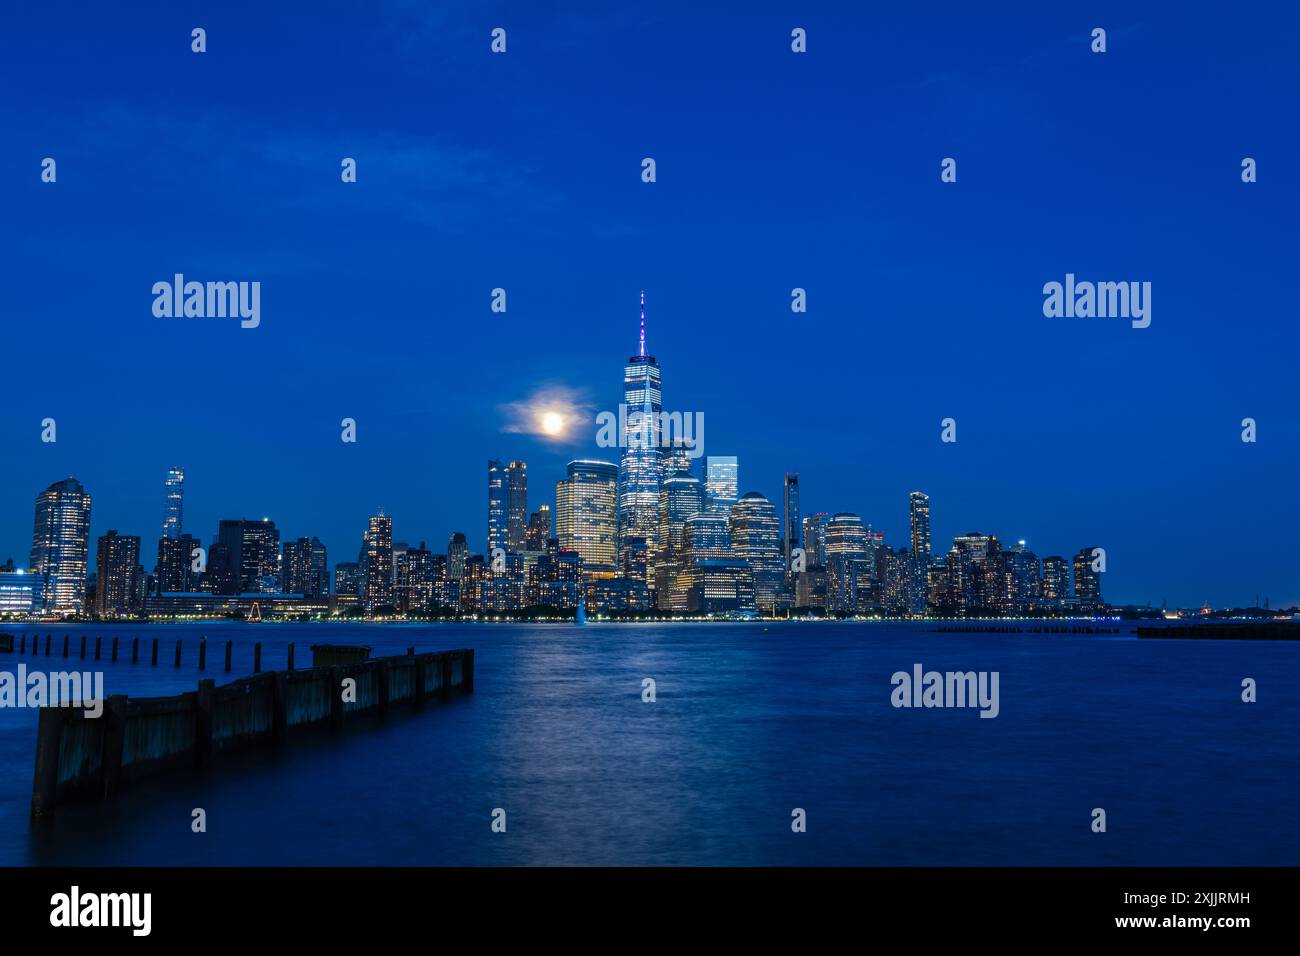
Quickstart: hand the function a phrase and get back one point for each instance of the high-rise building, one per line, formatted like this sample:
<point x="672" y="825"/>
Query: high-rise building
<point x="791" y="534"/>
<point x="117" y="556"/>
<point x="919" y="508"/>
<point x="60" y="542"/>
<point x="1087" y="582"/>
<point x="457" y="555"/>
<point x="377" y="587"/>
<point x="304" y="568"/>
<point x="680" y="497"/>
<point x="516" y="505"/>
<point x="1055" y="586"/>
<point x="848" y="570"/>
<point x="678" y="457"/>
<point x="417" y="570"/>
<point x="966" y="576"/>
<point x="175" y="571"/>
<point x="498" y="507"/>
<point x="814" y="538"/>
<point x="756" y="538"/>
<point x="642" y="462"/>
<point x="586" y="514"/>
<point x="539" y="529"/>
<point x="348" y="584"/>
<point x="173" y="503"/>
<point x="253" y="547"/>
<point x="721" y="483"/>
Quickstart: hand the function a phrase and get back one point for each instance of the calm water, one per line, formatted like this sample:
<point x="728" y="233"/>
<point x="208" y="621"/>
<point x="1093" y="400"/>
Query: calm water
<point x="751" y="721"/>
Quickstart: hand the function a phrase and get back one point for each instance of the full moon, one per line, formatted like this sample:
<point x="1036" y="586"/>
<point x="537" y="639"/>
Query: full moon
<point x="552" y="423"/>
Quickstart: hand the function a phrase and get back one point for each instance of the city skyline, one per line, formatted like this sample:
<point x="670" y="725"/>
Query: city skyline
<point x="670" y="550"/>
<point x="775" y="172"/>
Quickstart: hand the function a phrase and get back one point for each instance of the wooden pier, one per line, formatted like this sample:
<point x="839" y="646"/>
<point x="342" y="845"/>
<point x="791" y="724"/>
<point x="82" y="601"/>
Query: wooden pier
<point x="83" y="758"/>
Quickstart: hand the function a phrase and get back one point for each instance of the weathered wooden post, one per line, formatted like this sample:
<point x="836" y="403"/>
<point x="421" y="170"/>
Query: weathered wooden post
<point x="48" y="639"/>
<point x="467" y="670"/>
<point x="65" y="645"/>
<point x="418" y="667"/>
<point x="178" y="653"/>
<point x="228" y="648"/>
<point x="114" y="738"/>
<point x="98" y="641"/>
<point x="203" y="653"/>
<point x="154" y="661"/>
<point x="290" y="667"/>
<point x="115" y="649"/>
<point x="410" y="652"/>
<point x="83" y="647"/>
<point x="135" y="650"/>
<point x="22" y="644"/>
<point x="203" y="719"/>
<point x="257" y="658"/>
<point x="45" y="783"/>
<point x="445" y="660"/>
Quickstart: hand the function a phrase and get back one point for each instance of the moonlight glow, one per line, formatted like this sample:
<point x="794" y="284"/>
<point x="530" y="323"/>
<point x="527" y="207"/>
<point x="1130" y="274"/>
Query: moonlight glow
<point x="552" y="423"/>
<point x="554" y="413"/>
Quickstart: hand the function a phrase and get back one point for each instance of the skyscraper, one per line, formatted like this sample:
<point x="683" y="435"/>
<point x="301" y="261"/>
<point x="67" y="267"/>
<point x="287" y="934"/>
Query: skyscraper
<point x="1087" y="582"/>
<point x="919" y="506"/>
<point x="539" y="530"/>
<point x="498" y="508"/>
<point x="173" y="503"/>
<point x="175" y="571"/>
<point x="642" y="461"/>
<point x="790" y="536"/>
<point x="814" y="538"/>
<point x="677" y="457"/>
<point x="1055" y="586"/>
<point x="516" y="505"/>
<point x="586" y="513"/>
<point x="680" y="498"/>
<point x="117" y="558"/>
<point x="377" y="587"/>
<point x="457" y="555"/>
<point x="721" y="483"/>
<point x="60" y="542"/>
<point x="848" y="573"/>
<point x="756" y="539"/>
<point x="304" y="568"/>
<point x="253" y="548"/>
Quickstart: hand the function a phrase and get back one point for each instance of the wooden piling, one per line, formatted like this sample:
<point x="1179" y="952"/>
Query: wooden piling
<point x="83" y="647"/>
<point x="135" y="650"/>
<point x="203" y="653"/>
<point x="155" y="652"/>
<point x="203" y="719"/>
<point x="114" y="739"/>
<point x="178" y="653"/>
<point x="49" y="737"/>
<point x="48" y="639"/>
<point x="114" y="648"/>
<point x="22" y="644"/>
<point x="228" y="648"/>
<point x="65" y="645"/>
<point x="290" y="667"/>
<point x="257" y="658"/>
<point x="98" y="641"/>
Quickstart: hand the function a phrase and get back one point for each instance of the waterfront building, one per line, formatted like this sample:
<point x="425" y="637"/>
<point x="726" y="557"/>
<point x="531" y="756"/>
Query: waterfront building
<point x="60" y="546"/>
<point x="642" y="462"/>
<point x="756" y="539"/>
<point x="586" y="513"/>
<point x="173" y="503"/>
<point x="117" y="583"/>
<point x="721" y="483"/>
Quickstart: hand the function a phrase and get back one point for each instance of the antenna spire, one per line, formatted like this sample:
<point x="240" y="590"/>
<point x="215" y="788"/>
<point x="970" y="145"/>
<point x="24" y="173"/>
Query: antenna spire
<point x="642" y="353"/>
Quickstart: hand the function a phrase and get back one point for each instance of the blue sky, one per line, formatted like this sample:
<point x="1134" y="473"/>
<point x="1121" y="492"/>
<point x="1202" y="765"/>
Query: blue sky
<point x="775" y="170"/>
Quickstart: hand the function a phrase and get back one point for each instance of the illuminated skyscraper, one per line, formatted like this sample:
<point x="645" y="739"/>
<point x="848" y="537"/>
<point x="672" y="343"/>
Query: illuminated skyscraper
<point x="304" y="568"/>
<point x="1055" y="586"/>
<point x="756" y="538"/>
<point x="791" y="533"/>
<point x="539" y="529"/>
<point x="848" y="571"/>
<point x="642" y="461"/>
<point x="721" y="483"/>
<point x="377" y="588"/>
<point x="249" y="561"/>
<point x="457" y="555"/>
<point x="1087" y="582"/>
<point x="175" y="570"/>
<point x="516" y="505"/>
<point x="677" y="457"/>
<point x="498" y="513"/>
<point x="919" y="506"/>
<point x="586" y="513"/>
<point x="174" y="503"/>
<point x="680" y="498"/>
<point x="60" y="542"/>
<point x="814" y="538"/>
<point x="117" y="561"/>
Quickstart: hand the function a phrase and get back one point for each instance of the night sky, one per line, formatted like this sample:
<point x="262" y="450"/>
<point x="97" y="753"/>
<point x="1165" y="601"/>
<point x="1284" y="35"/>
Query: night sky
<point x="775" y="170"/>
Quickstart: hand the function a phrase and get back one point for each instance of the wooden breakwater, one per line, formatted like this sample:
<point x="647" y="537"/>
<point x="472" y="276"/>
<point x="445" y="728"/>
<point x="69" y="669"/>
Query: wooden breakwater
<point x="1228" y="631"/>
<point x="79" y="758"/>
